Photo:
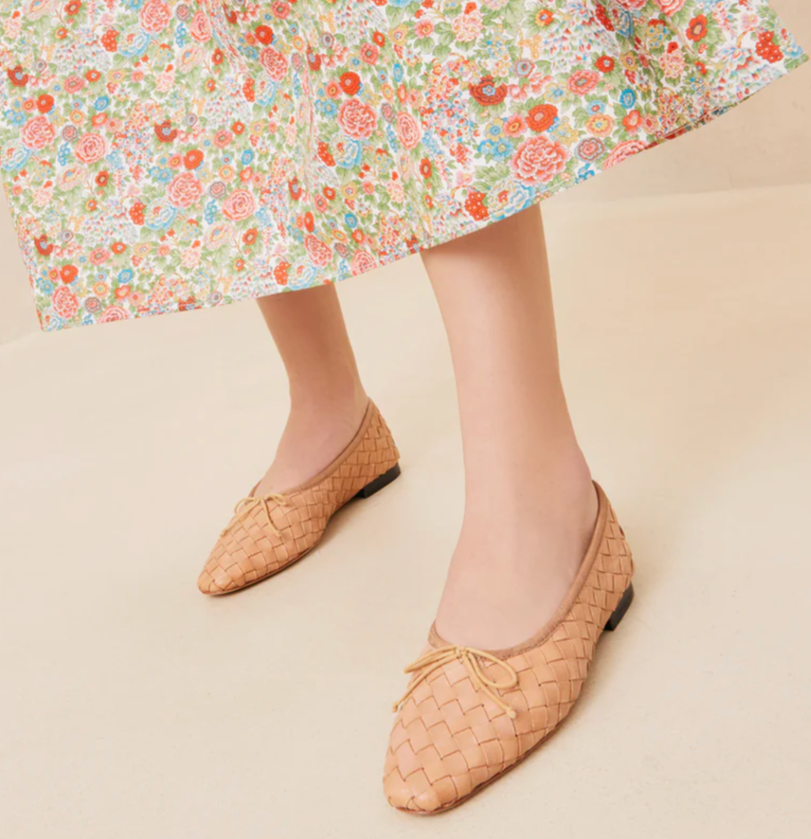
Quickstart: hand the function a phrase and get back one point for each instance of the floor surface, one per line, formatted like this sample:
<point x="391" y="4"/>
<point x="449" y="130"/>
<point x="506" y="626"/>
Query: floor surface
<point x="133" y="707"/>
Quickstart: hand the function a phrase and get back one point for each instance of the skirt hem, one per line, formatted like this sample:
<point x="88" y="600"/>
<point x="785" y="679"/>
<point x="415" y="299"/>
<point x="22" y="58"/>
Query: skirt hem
<point x="258" y="290"/>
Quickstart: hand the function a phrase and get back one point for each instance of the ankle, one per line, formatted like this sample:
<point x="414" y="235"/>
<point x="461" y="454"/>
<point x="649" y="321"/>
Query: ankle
<point x="339" y="401"/>
<point x="557" y="486"/>
<point x="319" y="426"/>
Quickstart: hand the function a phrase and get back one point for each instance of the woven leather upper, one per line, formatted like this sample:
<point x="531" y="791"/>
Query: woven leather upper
<point x="449" y="738"/>
<point x="249" y="550"/>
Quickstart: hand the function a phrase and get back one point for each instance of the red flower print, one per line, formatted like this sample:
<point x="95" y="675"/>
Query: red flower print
<point x="17" y="77"/>
<point x="362" y="261"/>
<point x="68" y="273"/>
<point x="90" y="148"/>
<point x="697" y="28"/>
<point x="623" y="151"/>
<point x="633" y="121"/>
<point x="274" y="62"/>
<point x="408" y="130"/>
<point x="38" y="133"/>
<point x="325" y="155"/>
<point x="357" y="119"/>
<point x="605" y="64"/>
<point x="222" y="138"/>
<point x="264" y="34"/>
<point x="73" y="84"/>
<point x="193" y="159"/>
<point x="538" y="160"/>
<point x="541" y="117"/>
<point x="45" y="103"/>
<point x="485" y="92"/>
<point x="545" y="17"/>
<point x="319" y="252"/>
<point x="164" y="131"/>
<point x="669" y="7"/>
<point x="583" y="81"/>
<point x="313" y="59"/>
<point x="184" y="190"/>
<point x="239" y="205"/>
<point x="633" y="5"/>
<point x="369" y="53"/>
<point x="200" y="27"/>
<point x="44" y="248"/>
<point x="154" y="17"/>
<point x="113" y="313"/>
<point x="65" y="302"/>
<point x="349" y="82"/>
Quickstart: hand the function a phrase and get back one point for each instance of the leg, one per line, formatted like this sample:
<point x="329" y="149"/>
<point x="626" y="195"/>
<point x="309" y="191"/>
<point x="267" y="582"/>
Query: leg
<point x="530" y="506"/>
<point x="327" y="399"/>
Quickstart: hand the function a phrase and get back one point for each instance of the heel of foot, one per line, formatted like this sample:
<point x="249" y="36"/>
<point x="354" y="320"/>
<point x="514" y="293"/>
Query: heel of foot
<point x="622" y="607"/>
<point x="381" y="481"/>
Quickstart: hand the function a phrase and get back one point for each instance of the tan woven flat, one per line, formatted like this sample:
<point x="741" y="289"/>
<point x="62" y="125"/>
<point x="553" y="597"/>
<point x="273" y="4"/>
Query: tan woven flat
<point x="470" y="715"/>
<point x="270" y="532"/>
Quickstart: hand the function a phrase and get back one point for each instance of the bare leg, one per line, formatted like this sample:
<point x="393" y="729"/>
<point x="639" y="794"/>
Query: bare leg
<point x="327" y="399"/>
<point x="530" y="506"/>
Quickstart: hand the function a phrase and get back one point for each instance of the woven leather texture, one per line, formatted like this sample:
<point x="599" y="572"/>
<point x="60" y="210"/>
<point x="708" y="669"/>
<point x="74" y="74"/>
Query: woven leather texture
<point x="449" y="739"/>
<point x="249" y="550"/>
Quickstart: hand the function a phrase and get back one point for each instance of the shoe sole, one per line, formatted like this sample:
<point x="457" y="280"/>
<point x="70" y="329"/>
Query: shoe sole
<point x="369" y="490"/>
<point x="611" y="624"/>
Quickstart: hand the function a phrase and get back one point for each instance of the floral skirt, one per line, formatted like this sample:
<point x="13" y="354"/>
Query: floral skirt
<point x="165" y="156"/>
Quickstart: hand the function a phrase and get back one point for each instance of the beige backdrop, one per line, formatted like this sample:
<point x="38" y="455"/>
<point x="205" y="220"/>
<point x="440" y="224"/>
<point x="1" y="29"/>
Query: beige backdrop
<point x="764" y="142"/>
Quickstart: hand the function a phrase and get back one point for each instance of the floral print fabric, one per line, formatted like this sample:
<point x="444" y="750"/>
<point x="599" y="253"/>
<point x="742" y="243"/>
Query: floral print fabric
<point x="162" y="156"/>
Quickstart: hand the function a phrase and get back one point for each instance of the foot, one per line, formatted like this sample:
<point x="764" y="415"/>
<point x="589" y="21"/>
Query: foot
<point x="318" y="429"/>
<point x="467" y="718"/>
<point x="516" y="559"/>
<point x="267" y="534"/>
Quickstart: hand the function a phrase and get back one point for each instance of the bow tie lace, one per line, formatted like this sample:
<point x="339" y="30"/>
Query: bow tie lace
<point x="472" y="659"/>
<point x="245" y="505"/>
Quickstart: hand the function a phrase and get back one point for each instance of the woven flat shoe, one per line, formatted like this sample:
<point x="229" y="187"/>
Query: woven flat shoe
<point x="470" y="715"/>
<point x="270" y="532"/>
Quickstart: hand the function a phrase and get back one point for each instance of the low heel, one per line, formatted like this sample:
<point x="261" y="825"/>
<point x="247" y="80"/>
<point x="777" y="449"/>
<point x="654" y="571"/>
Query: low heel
<point x="622" y="607"/>
<point x="378" y="483"/>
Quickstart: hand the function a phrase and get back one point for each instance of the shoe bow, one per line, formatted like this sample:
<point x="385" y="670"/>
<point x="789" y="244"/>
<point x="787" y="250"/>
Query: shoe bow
<point x="245" y="505"/>
<point x="473" y="660"/>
